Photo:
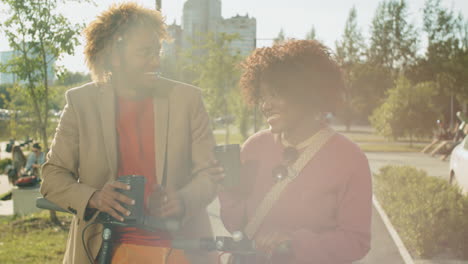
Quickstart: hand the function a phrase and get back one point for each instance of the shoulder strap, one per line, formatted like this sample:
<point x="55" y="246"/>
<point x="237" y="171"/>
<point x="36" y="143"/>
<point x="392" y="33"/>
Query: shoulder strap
<point x="273" y="195"/>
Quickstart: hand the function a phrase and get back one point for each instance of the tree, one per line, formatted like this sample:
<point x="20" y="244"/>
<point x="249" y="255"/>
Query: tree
<point x="217" y="74"/>
<point x="311" y="35"/>
<point x="4" y="95"/>
<point x="68" y="78"/>
<point x="394" y="41"/>
<point x="406" y="110"/>
<point x="349" y="53"/>
<point x="280" y="38"/>
<point x="351" y="49"/>
<point x="38" y="35"/>
<point x="369" y="85"/>
<point x="444" y="61"/>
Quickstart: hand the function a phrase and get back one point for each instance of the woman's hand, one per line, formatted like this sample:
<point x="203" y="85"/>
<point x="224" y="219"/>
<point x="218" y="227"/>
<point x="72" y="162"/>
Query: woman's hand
<point x="108" y="200"/>
<point x="271" y="242"/>
<point x="216" y="172"/>
<point x="164" y="203"/>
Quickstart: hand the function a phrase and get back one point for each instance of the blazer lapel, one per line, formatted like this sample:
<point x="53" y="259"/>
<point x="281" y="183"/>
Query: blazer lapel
<point x="161" y="125"/>
<point x="107" y="109"/>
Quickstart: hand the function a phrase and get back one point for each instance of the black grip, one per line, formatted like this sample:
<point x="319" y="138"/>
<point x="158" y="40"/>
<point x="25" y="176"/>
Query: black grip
<point x="106" y="249"/>
<point x="43" y="203"/>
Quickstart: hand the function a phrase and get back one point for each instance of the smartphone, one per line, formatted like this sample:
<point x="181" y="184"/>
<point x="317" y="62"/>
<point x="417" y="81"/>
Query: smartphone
<point x="229" y="158"/>
<point x="137" y="184"/>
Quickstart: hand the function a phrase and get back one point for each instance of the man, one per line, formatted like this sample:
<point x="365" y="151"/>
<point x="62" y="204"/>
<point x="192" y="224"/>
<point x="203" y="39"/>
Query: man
<point x="35" y="159"/>
<point x="130" y="122"/>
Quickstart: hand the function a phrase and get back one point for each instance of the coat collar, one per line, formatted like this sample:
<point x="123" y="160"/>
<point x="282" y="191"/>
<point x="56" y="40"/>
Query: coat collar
<point x="107" y="112"/>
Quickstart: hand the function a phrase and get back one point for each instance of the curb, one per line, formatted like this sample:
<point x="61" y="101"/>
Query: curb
<point x="396" y="238"/>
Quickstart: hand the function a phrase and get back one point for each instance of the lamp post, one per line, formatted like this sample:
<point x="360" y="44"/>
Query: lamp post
<point x="158" y="5"/>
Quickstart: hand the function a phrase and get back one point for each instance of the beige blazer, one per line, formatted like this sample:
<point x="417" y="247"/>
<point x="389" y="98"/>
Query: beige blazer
<point x="84" y="156"/>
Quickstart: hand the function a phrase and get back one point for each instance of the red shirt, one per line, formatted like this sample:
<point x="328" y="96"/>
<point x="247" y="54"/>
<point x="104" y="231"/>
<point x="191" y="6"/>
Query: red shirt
<point x="135" y="127"/>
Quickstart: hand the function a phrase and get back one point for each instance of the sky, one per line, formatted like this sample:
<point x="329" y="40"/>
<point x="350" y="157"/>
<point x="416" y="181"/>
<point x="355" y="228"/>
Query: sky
<point x="295" y="17"/>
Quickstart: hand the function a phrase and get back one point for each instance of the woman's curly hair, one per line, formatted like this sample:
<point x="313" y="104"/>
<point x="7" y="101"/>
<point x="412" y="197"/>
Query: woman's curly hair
<point x="301" y="71"/>
<point x="112" y="26"/>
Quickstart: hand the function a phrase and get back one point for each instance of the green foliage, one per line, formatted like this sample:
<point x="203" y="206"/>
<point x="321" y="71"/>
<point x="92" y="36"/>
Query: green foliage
<point x="38" y="36"/>
<point x="311" y="35"/>
<point x="350" y="50"/>
<point x="20" y="123"/>
<point x="394" y="40"/>
<point x="430" y="215"/>
<point x="367" y="85"/>
<point x="3" y="164"/>
<point x="442" y="27"/>
<point x="280" y="38"/>
<point x="215" y="66"/>
<point x="67" y="78"/>
<point x="349" y="54"/>
<point x="405" y="111"/>
<point x="446" y="57"/>
<point x="370" y="73"/>
<point x="4" y="95"/>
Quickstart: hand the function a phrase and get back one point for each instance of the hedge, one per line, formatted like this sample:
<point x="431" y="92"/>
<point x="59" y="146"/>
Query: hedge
<point x="429" y="214"/>
<point x="3" y="164"/>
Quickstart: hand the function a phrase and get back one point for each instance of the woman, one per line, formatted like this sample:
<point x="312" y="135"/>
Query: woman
<point x="19" y="161"/>
<point x="305" y="188"/>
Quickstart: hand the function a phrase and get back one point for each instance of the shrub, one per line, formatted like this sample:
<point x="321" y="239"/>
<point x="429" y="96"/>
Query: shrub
<point x="4" y="163"/>
<point x="430" y="215"/>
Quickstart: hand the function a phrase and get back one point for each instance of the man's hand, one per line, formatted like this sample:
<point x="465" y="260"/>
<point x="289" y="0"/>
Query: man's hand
<point x="108" y="200"/>
<point x="164" y="203"/>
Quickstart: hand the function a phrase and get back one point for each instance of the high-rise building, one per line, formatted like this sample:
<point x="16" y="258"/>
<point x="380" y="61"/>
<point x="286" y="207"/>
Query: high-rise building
<point x="246" y="29"/>
<point x="172" y="47"/>
<point x="200" y="17"/>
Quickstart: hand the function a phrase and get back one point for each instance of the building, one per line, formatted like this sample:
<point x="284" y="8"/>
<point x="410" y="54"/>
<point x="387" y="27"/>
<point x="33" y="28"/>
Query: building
<point x="172" y="47"/>
<point x="246" y="29"/>
<point x="201" y="17"/>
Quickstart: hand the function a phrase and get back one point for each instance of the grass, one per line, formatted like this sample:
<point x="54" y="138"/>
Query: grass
<point x="233" y="138"/>
<point x="33" y="239"/>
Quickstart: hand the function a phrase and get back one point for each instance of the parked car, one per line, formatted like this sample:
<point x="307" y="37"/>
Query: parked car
<point x="459" y="165"/>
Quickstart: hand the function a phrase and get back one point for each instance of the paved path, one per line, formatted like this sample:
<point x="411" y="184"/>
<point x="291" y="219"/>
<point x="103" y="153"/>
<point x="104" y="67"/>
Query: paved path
<point x="432" y="165"/>
<point x="6" y="207"/>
